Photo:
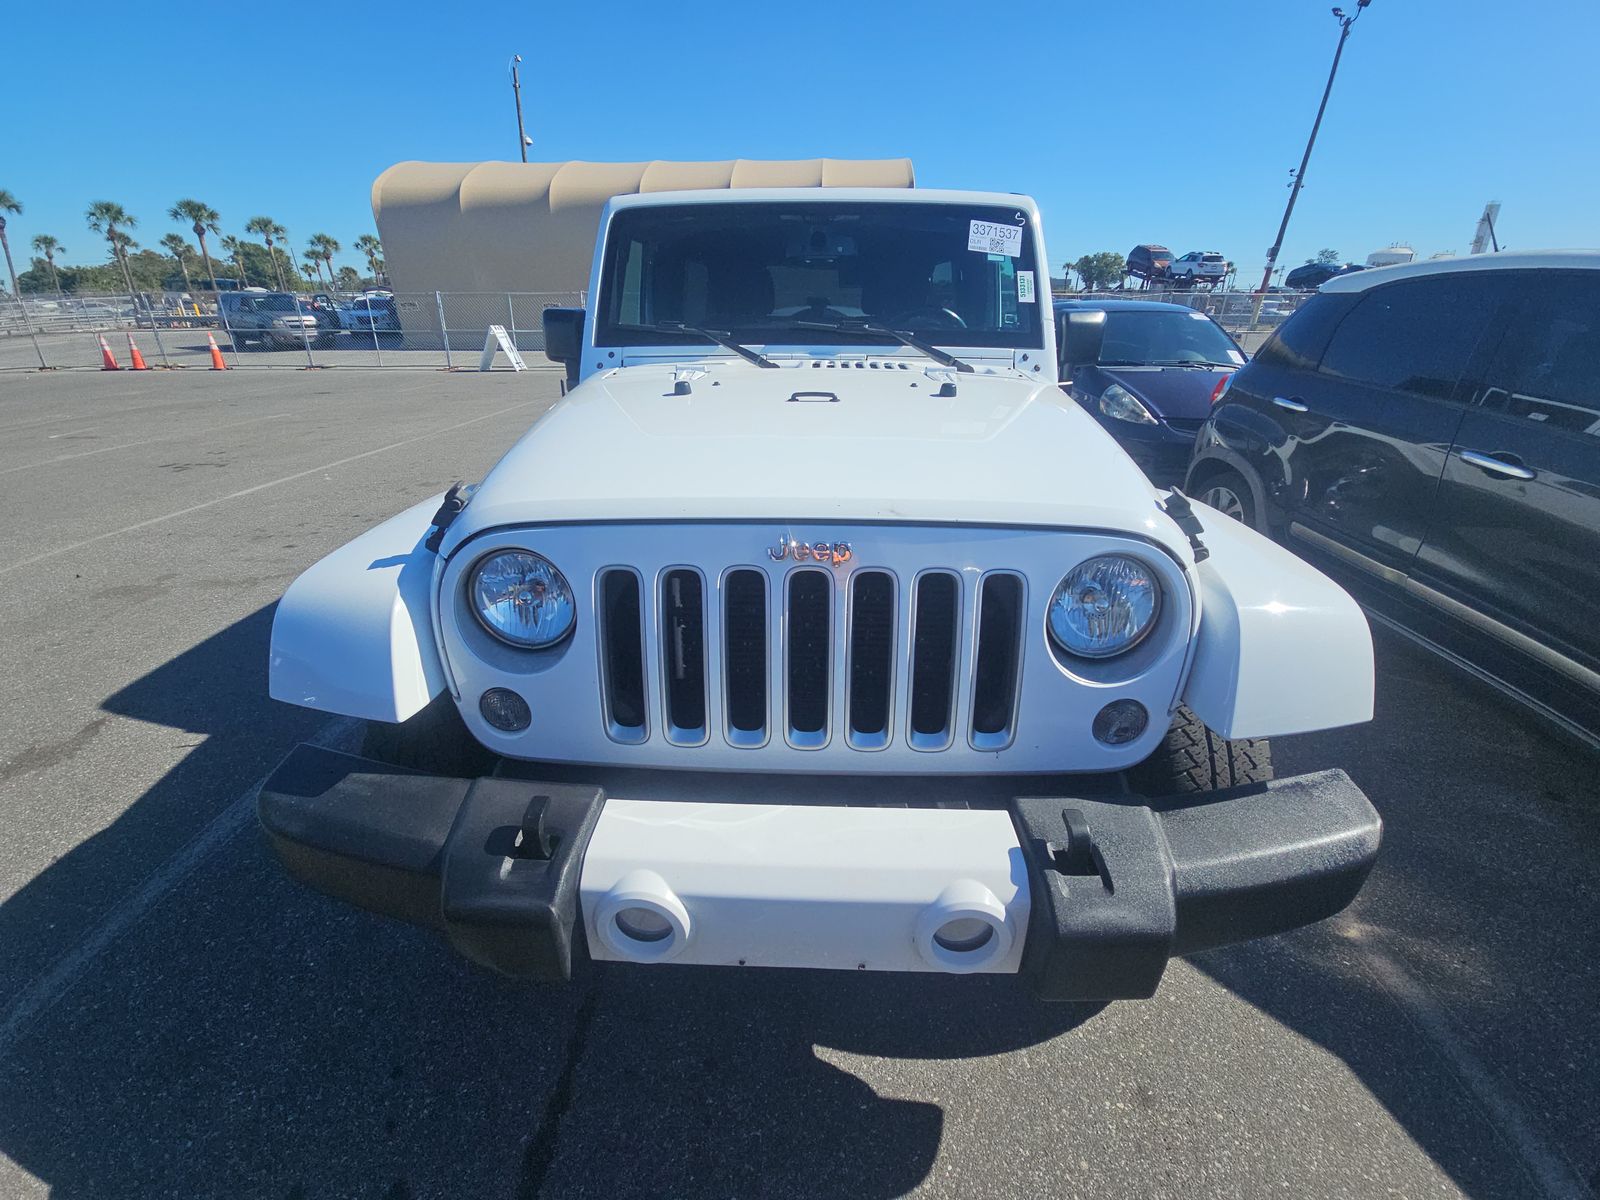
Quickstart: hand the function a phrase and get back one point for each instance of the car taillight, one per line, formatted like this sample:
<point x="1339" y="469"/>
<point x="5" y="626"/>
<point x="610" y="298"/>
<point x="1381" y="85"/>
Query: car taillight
<point x="1221" y="390"/>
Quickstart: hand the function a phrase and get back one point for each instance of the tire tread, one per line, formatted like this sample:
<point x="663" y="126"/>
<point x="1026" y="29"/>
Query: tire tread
<point x="1194" y="759"/>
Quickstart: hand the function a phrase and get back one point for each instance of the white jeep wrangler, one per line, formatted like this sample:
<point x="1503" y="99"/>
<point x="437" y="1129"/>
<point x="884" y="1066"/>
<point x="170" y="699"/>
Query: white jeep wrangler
<point x="816" y="627"/>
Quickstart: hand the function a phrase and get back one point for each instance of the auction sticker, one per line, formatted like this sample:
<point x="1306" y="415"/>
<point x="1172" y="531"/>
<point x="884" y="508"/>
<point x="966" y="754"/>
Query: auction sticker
<point x="986" y="237"/>
<point x="1025" y="287"/>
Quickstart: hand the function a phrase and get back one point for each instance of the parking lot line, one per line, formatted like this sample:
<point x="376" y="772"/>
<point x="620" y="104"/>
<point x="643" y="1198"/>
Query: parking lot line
<point x="260" y="487"/>
<point x="1553" y="1172"/>
<point x="48" y="987"/>
<point x="61" y="458"/>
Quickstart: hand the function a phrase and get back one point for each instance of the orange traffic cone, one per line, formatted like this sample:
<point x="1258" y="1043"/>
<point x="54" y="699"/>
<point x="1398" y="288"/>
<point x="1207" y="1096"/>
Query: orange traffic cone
<point x="216" y="354"/>
<point x="138" y="359"/>
<point x="107" y="363"/>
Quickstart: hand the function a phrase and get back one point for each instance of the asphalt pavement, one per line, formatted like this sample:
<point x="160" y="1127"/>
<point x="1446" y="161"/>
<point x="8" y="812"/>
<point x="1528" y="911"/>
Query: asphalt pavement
<point x="178" y="1019"/>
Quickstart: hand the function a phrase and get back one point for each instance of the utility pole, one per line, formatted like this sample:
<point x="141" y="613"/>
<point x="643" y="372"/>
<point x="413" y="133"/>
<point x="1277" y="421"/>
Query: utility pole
<point x="1300" y="176"/>
<point x="516" y="92"/>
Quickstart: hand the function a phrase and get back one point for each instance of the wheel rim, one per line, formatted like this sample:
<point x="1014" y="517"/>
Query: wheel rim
<point x="1225" y="500"/>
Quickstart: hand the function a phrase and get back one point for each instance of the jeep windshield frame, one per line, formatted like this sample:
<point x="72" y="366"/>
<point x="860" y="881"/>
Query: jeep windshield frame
<point x="768" y="273"/>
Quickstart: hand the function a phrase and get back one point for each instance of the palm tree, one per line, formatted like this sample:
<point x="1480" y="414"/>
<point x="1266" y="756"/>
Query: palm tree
<point x="321" y="246"/>
<point x="174" y="245"/>
<point x="235" y="249"/>
<point x="47" y="248"/>
<point x="203" y="219"/>
<point x="111" y="219"/>
<point x="9" y="204"/>
<point x="372" y="248"/>
<point x="269" y="231"/>
<point x="313" y="267"/>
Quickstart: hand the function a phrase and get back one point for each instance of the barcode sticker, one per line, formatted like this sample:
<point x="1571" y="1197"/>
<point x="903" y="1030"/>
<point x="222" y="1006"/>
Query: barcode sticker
<point x="1025" y="287"/>
<point x="986" y="237"/>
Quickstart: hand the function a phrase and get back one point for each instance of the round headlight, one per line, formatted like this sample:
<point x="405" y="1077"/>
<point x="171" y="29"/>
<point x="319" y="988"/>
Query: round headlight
<point x="1105" y="606"/>
<point x="522" y="599"/>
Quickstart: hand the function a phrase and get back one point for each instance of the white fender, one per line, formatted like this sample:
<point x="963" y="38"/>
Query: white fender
<point x="353" y="634"/>
<point x="1282" y="648"/>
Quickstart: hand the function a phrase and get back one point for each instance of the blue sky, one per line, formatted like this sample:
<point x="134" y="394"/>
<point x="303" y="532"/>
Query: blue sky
<point x="1151" y="120"/>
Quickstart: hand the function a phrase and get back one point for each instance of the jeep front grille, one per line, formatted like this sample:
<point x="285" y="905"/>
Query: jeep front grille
<point x="810" y="655"/>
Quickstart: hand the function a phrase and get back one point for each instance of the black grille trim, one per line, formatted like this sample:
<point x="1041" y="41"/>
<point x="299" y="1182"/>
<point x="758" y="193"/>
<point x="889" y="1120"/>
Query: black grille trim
<point x="683" y="655"/>
<point x="619" y="595"/>
<point x="746" y="671"/>
<point x="935" y="659"/>
<point x="997" y="660"/>
<point x="870" y="661"/>
<point x="808" y="658"/>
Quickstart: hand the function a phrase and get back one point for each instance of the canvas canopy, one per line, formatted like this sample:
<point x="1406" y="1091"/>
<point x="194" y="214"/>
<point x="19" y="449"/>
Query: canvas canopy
<point x="530" y="227"/>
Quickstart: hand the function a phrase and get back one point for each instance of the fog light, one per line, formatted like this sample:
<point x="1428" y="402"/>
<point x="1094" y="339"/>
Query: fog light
<point x="1120" y="722"/>
<point x="505" y="710"/>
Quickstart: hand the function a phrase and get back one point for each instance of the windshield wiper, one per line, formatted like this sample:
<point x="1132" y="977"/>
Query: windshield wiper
<point x="899" y="335"/>
<point x="721" y="337"/>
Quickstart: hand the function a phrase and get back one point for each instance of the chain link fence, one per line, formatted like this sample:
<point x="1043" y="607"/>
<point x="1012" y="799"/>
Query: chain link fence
<point x="432" y="330"/>
<point x="255" y="329"/>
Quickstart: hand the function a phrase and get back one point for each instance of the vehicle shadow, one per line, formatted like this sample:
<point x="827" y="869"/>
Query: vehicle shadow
<point x="241" y="1036"/>
<point x="1461" y="987"/>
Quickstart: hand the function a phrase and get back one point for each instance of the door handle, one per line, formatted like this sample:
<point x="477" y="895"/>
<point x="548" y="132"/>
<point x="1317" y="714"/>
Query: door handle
<point x="1291" y="404"/>
<point x="1496" y="466"/>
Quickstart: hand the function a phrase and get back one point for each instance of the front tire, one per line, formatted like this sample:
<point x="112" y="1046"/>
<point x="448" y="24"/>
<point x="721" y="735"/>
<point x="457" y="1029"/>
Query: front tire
<point x="1229" y="493"/>
<point x="435" y="740"/>
<point x="1192" y="759"/>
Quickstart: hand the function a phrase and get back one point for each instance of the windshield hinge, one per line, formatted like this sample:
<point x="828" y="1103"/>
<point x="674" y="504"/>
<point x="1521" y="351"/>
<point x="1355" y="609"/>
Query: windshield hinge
<point x="1177" y="507"/>
<point x="454" y="501"/>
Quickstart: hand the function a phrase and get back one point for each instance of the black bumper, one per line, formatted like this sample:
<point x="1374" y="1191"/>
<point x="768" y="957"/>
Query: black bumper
<point x="1116" y="889"/>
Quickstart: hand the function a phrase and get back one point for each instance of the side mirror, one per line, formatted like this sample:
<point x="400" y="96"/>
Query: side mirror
<point x="1078" y="339"/>
<point x="563" y="338"/>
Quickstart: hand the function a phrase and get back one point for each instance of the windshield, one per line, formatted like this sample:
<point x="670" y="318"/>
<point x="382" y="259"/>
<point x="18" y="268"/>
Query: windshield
<point x="1133" y="338"/>
<point x="959" y="275"/>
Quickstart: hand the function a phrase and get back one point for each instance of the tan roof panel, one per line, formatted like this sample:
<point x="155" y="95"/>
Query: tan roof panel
<point x="529" y="227"/>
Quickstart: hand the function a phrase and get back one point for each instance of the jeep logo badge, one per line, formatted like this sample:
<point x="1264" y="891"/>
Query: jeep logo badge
<point x="822" y="552"/>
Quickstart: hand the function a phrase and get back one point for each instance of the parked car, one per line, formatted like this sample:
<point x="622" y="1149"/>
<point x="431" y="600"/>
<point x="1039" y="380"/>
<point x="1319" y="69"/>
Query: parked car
<point x="1147" y="372"/>
<point x="1149" y="262"/>
<point x="1430" y="434"/>
<point x="267" y="318"/>
<point x="765" y="555"/>
<point x="325" y="309"/>
<point x="1311" y="276"/>
<point x="368" y="314"/>
<point x="1199" y="266"/>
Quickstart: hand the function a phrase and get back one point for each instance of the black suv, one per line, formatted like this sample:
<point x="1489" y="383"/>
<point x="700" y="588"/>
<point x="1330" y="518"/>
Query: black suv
<point x="1430" y="434"/>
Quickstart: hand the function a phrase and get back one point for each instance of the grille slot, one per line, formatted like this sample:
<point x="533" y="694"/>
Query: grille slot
<point x="934" y="653"/>
<point x="809" y="657"/>
<point x="683" y="647"/>
<point x="871" y="658"/>
<point x="995" y="670"/>
<point x="621" y="627"/>
<point x="744" y="655"/>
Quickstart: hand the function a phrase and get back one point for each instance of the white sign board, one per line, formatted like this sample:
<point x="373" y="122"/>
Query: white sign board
<point x="986" y="237"/>
<point x="498" y="337"/>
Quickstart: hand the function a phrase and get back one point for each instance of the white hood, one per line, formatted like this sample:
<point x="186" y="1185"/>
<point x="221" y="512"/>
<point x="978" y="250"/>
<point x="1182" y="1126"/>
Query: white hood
<point x="1002" y="451"/>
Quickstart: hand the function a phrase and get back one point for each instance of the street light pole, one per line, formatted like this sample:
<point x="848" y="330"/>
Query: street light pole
<point x="1300" y="176"/>
<point x="516" y="92"/>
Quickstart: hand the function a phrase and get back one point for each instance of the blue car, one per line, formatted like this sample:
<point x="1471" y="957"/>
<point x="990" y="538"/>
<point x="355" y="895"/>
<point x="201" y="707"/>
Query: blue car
<point x="1148" y="372"/>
